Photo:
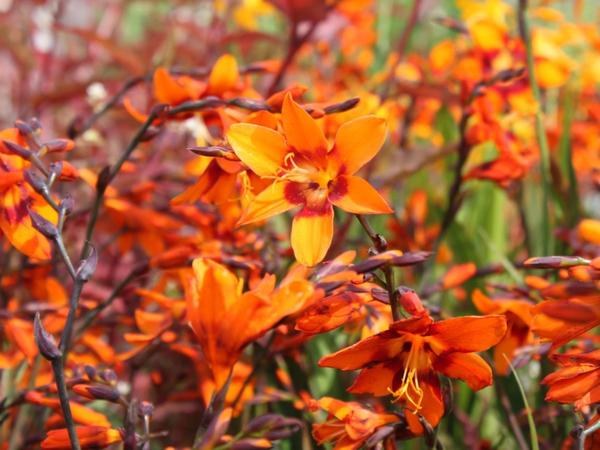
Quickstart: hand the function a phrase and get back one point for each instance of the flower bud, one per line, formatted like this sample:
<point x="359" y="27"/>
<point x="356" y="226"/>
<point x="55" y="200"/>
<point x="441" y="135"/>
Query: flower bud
<point x="45" y="341"/>
<point x="87" y="267"/>
<point x="555" y="262"/>
<point x="97" y="392"/>
<point x="44" y="226"/>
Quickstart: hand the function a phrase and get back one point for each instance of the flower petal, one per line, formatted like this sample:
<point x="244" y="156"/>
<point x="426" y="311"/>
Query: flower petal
<point x="356" y="195"/>
<point x="224" y="75"/>
<point x="376" y="380"/>
<point x="301" y="131"/>
<point x="312" y="232"/>
<point x="268" y="203"/>
<point x="468" y="334"/>
<point x="167" y="89"/>
<point x="432" y="406"/>
<point x="380" y="347"/>
<point x="469" y="367"/>
<point x="358" y="141"/>
<point x="260" y="148"/>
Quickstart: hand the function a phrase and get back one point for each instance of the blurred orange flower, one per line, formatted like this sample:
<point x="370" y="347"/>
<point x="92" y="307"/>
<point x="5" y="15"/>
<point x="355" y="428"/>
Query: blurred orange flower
<point x="349" y="424"/>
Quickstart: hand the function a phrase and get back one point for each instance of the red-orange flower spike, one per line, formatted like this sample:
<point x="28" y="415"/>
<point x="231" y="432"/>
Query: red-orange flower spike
<point x="404" y="361"/>
<point x="349" y="424"/>
<point x="307" y="172"/>
<point x="89" y="437"/>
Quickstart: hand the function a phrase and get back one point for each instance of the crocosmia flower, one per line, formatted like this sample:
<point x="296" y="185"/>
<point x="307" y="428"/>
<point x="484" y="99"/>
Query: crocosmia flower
<point x="310" y="173"/>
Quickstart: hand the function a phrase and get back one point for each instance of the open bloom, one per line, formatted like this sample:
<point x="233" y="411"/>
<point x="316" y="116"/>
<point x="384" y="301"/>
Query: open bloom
<point x="577" y="381"/>
<point x="89" y="437"/>
<point x="225" y="320"/>
<point x="404" y="361"/>
<point x="349" y="424"/>
<point x="309" y="173"/>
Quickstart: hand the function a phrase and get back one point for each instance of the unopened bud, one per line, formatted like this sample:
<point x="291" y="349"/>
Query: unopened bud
<point x="146" y="409"/>
<point x="97" y="392"/>
<point x="109" y="376"/>
<point x="410" y="301"/>
<point x="45" y="341"/>
<point x="23" y="127"/>
<point x="68" y="172"/>
<point x="44" y="226"/>
<point x="87" y="266"/>
<point x="17" y="149"/>
<point x="555" y="262"/>
<point x="342" y="106"/>
<point x="67" y="204"/>
<point x="59" y="145"/>
<point x="36" y="182"/>
<point x="56" y="168"/>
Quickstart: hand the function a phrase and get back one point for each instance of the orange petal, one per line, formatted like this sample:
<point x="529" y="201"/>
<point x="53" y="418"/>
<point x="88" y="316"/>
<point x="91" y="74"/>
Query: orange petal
<point x="469" y="333"/>
<point x="572" y="389"/>
<point x="358" y="141"/>
<point x="312" y="232"/>
<point x="432" y="406"/>
<point x="260" y="148"/>
<point x="469" y="367"/>
<point x="268" y="203"/>
<point x="484" y="304"/>
<point x="376" y="381"/>
<point x="167" y="89"/>
<point x="224" y="75"/>
<point x="133" y="111"/>
<point x="355" y="195"/>
<point x="379" y="347"/>
<point x="301" y="131"/>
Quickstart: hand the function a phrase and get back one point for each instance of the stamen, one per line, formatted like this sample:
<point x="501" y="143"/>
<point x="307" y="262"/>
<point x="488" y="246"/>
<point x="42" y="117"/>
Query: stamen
<point x="410" y="381"/>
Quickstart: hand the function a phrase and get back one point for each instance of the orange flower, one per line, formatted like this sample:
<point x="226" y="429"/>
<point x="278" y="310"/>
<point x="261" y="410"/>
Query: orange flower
<point x="16" y="197"/>
<point x="349" y="424"/>
<point x="216" y="306"/>
<point x="404" y="360"/>
<point x="518" y="319"/>
<point x="309" y="173"/>
<point x="89" y="437"/>
<point x="577" y="381"/>
<point x="174" y="90"/>
<point x="563" y="320"/>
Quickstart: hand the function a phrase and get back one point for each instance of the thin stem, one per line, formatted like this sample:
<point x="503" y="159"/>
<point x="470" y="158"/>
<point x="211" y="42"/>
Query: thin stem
<point x="63" y="395"/>
<point x="512" y="420"/>
<point x="548" y="241"/>
<point x="60" y="244"/>
<point x="381" y="245"/>
<point x="137" y="138"/>
<point x="402" y="45"/>
<point x="89" y="318"/>
<point x="67" y="331"/>
<point x="295" y="44"/>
